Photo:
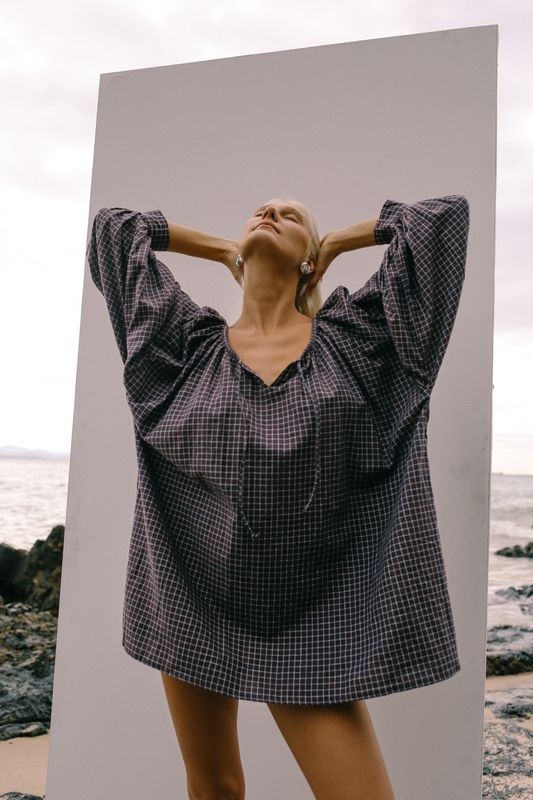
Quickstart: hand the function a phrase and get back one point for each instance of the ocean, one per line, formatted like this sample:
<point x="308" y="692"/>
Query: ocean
<point x="33" y="498"/>
<point x="511" y="522"/>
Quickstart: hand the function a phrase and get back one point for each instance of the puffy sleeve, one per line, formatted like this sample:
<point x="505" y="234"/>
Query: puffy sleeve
<point x="421" y="277"/>
<point x="140" y="292"/>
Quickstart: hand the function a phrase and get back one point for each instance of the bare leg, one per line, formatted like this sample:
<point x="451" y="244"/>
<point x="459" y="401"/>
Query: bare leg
<point x="336" y="748"/>
<point x="206" y="727"/>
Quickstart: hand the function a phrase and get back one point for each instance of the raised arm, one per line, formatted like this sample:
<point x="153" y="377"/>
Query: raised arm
<point x="140" y="291"/>
<point x="195" y="243"/>
<point x="420" y="280"/>
<point x="199" y="244"/>
<point x="353" y="237"/>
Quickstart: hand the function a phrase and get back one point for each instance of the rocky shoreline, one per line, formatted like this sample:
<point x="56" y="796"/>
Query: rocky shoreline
<point x="29" y="603"/>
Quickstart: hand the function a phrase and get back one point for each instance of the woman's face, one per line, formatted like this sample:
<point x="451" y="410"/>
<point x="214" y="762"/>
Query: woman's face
<point x="285" y="235"/>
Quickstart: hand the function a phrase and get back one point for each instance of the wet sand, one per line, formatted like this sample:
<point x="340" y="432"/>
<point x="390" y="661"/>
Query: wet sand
<point x="524" y="680"/>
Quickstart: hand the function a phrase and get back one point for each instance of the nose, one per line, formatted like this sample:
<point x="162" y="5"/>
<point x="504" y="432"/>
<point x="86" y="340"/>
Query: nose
<point x="269" y="211"/>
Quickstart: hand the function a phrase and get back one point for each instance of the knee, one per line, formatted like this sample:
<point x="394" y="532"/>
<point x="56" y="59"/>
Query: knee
<point x="224" y="789"/>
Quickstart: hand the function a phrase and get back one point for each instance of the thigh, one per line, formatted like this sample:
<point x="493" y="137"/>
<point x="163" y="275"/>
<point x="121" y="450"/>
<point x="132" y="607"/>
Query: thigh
<point x="206" y="727"/>
<point x="336" y="748"/>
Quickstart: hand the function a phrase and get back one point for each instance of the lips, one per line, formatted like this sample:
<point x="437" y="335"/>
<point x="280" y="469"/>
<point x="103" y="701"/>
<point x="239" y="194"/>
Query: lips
<point x="269" y="224"/>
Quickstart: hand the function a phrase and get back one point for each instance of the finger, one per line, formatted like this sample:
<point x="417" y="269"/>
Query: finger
<point x="313" y="282"/>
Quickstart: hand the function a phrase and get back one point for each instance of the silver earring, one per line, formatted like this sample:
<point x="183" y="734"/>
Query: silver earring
<point x="239" y="261"/>
<point x="305" y="267"/>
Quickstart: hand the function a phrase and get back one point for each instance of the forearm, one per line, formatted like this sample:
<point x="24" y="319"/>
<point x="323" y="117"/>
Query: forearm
<point x="354" y="236"/>
<point x="191" y="242"/>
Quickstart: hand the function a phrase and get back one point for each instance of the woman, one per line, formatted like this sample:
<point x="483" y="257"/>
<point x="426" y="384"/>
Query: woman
<point x="285" y="546"/>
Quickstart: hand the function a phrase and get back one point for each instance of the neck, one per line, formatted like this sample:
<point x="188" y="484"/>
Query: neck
<point x="269" y="298"/>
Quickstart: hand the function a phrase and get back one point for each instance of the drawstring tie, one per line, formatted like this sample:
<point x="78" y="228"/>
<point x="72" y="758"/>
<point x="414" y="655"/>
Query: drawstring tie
<point x="247" y="427"/>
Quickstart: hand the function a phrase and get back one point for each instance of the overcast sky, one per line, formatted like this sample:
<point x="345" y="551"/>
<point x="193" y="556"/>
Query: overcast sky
<point x="51" y="57"/>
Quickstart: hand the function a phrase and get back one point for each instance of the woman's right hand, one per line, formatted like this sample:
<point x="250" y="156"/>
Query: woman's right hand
<point x="229" y="259"/>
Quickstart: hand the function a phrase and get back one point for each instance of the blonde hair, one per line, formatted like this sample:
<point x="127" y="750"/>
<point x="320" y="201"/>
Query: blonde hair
<point x="307" y="302"/>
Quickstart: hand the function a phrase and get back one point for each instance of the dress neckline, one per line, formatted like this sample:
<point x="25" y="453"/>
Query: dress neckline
<point x="275" y="383"/>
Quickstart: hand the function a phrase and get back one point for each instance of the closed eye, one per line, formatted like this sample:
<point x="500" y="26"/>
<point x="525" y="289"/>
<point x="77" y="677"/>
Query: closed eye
<point x="289" y="216"/>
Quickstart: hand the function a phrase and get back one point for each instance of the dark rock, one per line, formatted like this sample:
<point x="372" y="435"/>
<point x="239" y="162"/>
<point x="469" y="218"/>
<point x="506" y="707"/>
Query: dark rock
<point x="10" y="561"/>
<point x="33" y="576"/>
<point x="517" y="551"/>
<point x="20" y="796"/>
<point x="512" y="703"/>
<point x="509" y="650"/>
<point x="27" y="658"/>
<point x="30" y="583"/>
<point x="23" y="729"/>
<point x="516" y="592"/>
<point x="522" y="594"/>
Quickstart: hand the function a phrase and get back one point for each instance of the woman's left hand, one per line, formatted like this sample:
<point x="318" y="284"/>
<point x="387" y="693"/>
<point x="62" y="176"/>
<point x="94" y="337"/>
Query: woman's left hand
<point x="328" y="251"/>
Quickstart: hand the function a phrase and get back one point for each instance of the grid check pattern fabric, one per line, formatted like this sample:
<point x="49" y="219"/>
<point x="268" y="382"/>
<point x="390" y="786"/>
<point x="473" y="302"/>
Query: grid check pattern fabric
<point x="285" y="545"/>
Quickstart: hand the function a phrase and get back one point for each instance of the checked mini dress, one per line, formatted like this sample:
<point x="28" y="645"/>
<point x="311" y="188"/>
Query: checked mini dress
<point x="285" y="545"/>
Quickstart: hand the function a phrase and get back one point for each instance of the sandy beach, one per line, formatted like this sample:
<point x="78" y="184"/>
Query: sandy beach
<point x="23" y="763"/>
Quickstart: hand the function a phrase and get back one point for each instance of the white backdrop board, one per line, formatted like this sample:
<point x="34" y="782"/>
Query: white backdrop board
<point x="341" y="127"/>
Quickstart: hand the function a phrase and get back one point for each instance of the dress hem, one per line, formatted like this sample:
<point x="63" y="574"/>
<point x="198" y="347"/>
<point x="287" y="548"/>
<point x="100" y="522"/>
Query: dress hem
<point x="411" y="682"/>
